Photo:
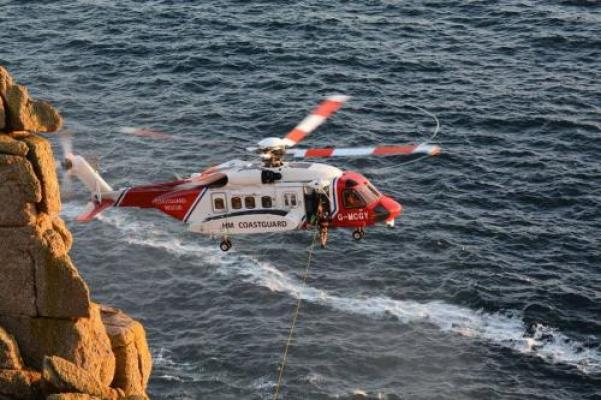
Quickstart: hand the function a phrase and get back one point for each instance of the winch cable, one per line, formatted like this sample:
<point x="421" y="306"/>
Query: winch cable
<point x="282" y="365"/>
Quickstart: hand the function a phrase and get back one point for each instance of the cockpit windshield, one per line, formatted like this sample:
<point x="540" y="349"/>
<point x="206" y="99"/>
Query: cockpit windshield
<point x="368" y="192"/>
<point x="360" y="196"/>
<point x="352" y="199"/>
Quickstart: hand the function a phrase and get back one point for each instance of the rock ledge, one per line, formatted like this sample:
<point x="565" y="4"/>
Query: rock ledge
<point x="55" y="342"/>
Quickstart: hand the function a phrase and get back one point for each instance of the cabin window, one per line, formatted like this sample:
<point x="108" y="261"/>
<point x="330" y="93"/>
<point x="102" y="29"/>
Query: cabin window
<point x="351" y="199"/>
<point x="236" y="203"/>
<point x="218" y="204"/>
<point x="266" y="202"/>
<point x="290" y="200"/>
<point x="249" y="202"/>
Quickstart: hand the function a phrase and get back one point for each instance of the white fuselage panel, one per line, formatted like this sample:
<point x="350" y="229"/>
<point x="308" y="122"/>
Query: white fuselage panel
<point x="245" y="205"/>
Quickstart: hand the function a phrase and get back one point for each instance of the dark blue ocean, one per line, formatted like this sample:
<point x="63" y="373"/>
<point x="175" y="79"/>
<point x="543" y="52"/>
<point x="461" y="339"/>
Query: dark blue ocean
<point x="489" y="287"/>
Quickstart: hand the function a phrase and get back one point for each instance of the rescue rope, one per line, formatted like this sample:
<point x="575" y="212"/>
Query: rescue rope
<point x="282" y="365"/>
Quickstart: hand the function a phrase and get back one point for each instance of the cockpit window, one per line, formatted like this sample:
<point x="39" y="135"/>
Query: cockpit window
<point x="369" y="193"/>
<point x="373" y="189"/>
<point x="352" y="199"/>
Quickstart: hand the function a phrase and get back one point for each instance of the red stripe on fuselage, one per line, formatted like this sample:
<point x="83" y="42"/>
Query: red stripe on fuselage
<point x="162" y="185"/>
<point x="178" y="202"/>
<point x="142" y="197"/>
<point x="163" y="197"/>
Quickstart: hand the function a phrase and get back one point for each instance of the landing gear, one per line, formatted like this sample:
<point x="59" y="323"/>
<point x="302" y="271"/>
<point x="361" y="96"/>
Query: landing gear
<point x="225" y="245"/>
<point x="358" y="234"/>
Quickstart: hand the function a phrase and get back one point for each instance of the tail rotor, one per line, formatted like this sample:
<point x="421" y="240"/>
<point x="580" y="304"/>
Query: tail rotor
<point x="66" y="142"/>
<point x="76" y="166"/>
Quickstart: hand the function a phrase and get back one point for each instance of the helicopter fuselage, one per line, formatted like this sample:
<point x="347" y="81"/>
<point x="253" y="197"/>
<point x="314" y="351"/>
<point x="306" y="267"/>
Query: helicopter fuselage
<point x="271" y="195"/>
<point x="248" y="198"/>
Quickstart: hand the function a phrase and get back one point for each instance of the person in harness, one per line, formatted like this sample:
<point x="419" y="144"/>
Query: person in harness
<point x="323" y="220"/>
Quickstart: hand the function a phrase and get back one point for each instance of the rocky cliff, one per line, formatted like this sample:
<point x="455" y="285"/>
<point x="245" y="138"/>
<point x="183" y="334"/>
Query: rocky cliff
<point x="55" y="342"/>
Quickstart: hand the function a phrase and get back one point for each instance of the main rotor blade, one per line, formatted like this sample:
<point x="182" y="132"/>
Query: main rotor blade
<point x="408" y="149"/>
<point x="317" y="117"/>
<point x="144" y="132"/>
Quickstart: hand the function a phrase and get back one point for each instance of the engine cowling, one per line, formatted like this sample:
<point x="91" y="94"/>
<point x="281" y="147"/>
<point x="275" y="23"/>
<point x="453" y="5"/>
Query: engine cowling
<point x="254" y="176"/>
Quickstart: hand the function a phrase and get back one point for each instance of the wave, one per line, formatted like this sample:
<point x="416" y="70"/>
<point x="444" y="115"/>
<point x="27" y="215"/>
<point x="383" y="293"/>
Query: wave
<point x="506" y="329"/>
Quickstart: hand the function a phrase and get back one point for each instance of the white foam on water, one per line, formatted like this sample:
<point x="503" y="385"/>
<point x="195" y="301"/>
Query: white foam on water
<point x="165" y="367"/>
<point x="163" y="358"/>
<point x="70" y="210"/>
<point x="504" y="329"/>
<point x="263" y="383"/>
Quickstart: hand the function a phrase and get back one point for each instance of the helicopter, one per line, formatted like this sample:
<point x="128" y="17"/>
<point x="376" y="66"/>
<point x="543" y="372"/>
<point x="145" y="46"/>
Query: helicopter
<point x="268" y="194"/>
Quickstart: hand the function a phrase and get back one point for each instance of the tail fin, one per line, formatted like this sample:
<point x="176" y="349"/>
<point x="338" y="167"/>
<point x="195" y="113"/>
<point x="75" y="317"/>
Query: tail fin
<point x="102" y="193"/>
<point x="86" y="174"/>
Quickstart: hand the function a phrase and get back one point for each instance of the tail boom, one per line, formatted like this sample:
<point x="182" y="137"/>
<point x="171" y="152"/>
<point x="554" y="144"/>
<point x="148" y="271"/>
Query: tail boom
<point x="177" y="199"/>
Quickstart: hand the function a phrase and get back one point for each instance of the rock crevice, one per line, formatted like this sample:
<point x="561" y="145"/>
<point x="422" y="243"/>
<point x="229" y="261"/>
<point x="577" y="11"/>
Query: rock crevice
<point x="48" y="322"/>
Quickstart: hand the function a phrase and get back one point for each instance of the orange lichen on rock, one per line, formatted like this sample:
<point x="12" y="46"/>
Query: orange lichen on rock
<point x="45" y="306"/>
<point x="20" y="112"/>
<point x="128" y="340"/>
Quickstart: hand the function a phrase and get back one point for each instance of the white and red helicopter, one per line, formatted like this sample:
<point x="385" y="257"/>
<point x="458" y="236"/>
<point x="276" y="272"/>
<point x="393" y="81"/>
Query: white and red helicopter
<point x="267" y="195"/>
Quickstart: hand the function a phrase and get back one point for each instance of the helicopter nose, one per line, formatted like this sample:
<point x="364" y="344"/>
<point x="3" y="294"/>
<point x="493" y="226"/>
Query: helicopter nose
<point x="392" y="208"/>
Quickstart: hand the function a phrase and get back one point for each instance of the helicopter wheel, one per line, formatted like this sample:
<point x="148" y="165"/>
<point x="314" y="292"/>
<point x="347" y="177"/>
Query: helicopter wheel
<point x="358" y="234"/>
<point x="225" y="245"/>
